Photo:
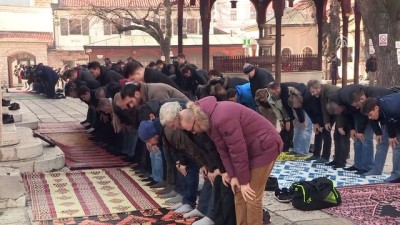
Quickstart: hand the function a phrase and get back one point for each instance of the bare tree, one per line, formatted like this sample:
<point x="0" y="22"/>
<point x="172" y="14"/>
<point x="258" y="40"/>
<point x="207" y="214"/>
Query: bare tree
<point x="147" y="21"/>
<point x="383" y="17"/>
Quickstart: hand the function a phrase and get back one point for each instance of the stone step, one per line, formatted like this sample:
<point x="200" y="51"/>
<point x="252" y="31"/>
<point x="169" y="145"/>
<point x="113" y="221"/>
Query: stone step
<point x="10" y="135"/>
<point x="12" y="192"/>
<point x="28" y="121"/>
<point x="28" y="147"/>
<point x="52" y="159"/>
<point x="17" y="115"/>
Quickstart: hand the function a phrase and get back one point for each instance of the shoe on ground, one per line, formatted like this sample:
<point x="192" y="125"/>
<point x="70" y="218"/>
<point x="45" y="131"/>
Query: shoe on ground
<point x="372" y="173"/>
<point x="5" y="102"/>
<point x="8" y="119"/>
<point x="266" y="217"/>
<point x="292" y="153"/>
<point x="282" y="195"/>
<point x="14" y="106"/>
<point x="392" y="179"/>
<point x="351" y="168"/>
<point x="321" y="160"/>
<point x="184" y="209"/>
<point x="161" y="184"/>
<point x="83" y="122"/>
<point x="338" y="166"/>
<point x="176" y="199"/>
<point x="272" y="184"/>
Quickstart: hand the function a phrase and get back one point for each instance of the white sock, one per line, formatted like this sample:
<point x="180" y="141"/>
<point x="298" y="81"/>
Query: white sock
<point x="193" y="213"/>
<point x="176" y="206"/>
<point x="184" y="209"/>
<point x="204" y="221"/>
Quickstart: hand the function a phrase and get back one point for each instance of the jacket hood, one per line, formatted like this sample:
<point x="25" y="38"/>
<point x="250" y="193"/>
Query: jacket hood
<point x="208" y="104"/>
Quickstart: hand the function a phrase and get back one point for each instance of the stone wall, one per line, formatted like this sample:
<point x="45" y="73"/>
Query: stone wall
<point x="39" y="50"/>
<point x="57" y="58"/>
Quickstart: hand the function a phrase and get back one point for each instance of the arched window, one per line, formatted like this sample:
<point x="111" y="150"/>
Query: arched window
<point x="307" y="51"/>
<point x="286" y="51"/>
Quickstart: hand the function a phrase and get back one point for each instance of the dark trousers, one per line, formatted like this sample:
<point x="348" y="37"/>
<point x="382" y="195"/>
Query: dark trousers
<point x="169" y="166"/>
<point x="206" y="200"/>
<point x="342" y="146"/>
<point x="190" y="182"/>
<point x="287" y="137"/>
<point x="50" y="89"/>
<point x="224" y="204"/>
<point x="324" y="136"/>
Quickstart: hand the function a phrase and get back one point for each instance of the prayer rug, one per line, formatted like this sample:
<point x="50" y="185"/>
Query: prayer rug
<point x="289" y="172"/>
<point x="159" y="216"/>
<point x="369" y="204"/>
<point x="64" y="127"/>
<point x="79" y="151"/>
<point x="87" y="193"/>
<point x="284" y="156"/>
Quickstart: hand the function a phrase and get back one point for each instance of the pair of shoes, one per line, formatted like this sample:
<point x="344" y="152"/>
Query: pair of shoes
<point x="321" y="160"/>
<point x="14" y="106"/>
<point x="283" y="195"/>
<point x="338" y="166"/>
<point x="351" y="168"/>
<point x="7" y="119"/>
<point x="266" y="217"/>
<point x="292" y="153"/>
<point x="272" y="184"/>
<point x="5" y="102"/>
<point x="193" y="213"/>
<point x="161" y="184"/>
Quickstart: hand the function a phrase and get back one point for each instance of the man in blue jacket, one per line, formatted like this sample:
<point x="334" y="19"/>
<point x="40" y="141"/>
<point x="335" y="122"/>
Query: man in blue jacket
<point x="49" y="79"/>
<point x="386" y="110"/>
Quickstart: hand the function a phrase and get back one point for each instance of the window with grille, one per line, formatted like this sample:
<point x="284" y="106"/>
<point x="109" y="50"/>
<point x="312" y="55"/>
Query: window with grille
<point x="74" y="26"/>
<point x="307" y="51"/>
<point x="286" y="51"/>
<point x="233" y="14"/>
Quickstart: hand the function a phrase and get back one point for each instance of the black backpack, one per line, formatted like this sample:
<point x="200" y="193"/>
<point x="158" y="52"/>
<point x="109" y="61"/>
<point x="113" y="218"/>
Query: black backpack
<point x="316" y="194"/>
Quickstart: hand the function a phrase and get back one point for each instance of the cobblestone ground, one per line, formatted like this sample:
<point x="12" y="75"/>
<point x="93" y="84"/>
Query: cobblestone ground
<point x="60" y="110"/>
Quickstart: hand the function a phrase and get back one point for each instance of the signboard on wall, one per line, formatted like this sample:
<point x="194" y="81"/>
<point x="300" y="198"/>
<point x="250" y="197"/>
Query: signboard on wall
<point x="383" y="39"/>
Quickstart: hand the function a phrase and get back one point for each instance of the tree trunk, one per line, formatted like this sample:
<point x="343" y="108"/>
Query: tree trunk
<point x="168" y="33"/>
<point x="334" y="26"/>
<point x="383" y="17"/>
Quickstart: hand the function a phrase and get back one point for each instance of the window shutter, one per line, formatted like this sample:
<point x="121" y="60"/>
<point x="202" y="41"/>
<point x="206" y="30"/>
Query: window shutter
<point x="64" y="26"/>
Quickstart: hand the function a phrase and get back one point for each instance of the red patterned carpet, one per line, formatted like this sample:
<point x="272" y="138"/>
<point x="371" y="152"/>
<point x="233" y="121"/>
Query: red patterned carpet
<point x="86" y="193"/>
<point x="377" y="204"/>
<point x="80" y="152"/>
<point x="159" y="216"/>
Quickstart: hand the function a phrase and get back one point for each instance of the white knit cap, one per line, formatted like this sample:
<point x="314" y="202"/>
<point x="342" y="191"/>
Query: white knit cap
<point x="169" y="111"/>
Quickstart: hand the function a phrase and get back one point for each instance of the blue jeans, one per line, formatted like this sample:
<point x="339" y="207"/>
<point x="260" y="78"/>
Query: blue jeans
<point x="302" y="138"/>
<point x="396" y="159"/>
<point x="206" y="200"/>
<point x="129" y="142"/>
<point x="364" y="151"/>
<point x="381" y="152"/>
<point x="156" y="165"/>
<point x="189" y="183"/>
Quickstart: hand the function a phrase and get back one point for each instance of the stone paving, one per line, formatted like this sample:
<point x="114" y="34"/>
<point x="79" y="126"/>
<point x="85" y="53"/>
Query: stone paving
<point x="60" y="110"/>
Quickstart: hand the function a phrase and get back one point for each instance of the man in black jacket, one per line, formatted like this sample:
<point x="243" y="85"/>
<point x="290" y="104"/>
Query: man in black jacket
<point x="82" y="78"/>
<point x="102" y="74"/>
<point x="135" y="72"/>
<point x="386" y="110"/>
<point x="259" y="77"/>
<point x="192" y="77"/>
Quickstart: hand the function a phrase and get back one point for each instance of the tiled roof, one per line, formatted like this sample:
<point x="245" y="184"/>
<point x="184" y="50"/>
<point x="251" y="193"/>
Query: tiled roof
<point x="28" y="36"/>
<point x="115" y="3"/>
